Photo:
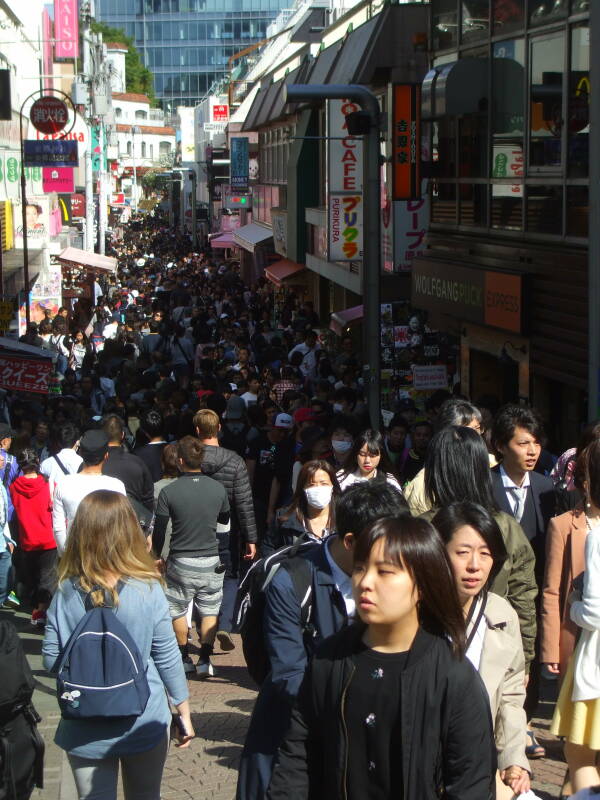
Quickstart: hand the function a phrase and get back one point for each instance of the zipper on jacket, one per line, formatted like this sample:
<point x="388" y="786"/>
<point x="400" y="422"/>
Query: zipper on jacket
<point x="343" y="707"/>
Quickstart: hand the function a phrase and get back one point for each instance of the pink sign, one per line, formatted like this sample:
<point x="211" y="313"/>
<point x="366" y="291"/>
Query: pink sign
<point x="58" y="179"/>
<point x="66" y="29"/>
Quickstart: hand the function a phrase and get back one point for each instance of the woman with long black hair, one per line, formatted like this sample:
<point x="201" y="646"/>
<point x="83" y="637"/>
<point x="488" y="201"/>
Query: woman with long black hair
<point x="367" y="461"/>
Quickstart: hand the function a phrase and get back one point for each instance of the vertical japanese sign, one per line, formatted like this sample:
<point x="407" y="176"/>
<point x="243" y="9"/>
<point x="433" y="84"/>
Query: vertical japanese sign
<point x="240" y="164"/>
<point x="66" y="29"/>
<point x="406" y="142"/>
<point x="411" y="219"/>
<point x="345" y="182"/>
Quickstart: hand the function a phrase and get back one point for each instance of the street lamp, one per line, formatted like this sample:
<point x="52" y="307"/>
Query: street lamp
<point x="134" y="129"/>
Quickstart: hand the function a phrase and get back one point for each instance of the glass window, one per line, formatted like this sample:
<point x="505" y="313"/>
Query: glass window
<point x="578" y="209"/>
<point x="129" y="148"/>
<point x="547" y="81"/>
<point x="543" y="11"/>
<point x="443" y="203"/>
<point x="544" y="209"/>
<point x="579" y="102"/>
<point x="507" y="207"/>
<point x="508" y="15"/>
<point x="140" y="114"/>
<point x="444" y="16"/>
<point x="475" y="20"/>
<point x="444" y="148"/>
<point x="118" y="112"/>
<point x="473" y="204"/>
<point x="143" y="149"/>
<point x="473" y="146"/>
<point x="152" y="151"/>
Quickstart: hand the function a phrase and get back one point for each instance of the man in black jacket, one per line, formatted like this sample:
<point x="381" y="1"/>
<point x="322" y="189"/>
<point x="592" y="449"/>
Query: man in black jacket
<point x="125" y="466"/>
<point x="229" y="469"/>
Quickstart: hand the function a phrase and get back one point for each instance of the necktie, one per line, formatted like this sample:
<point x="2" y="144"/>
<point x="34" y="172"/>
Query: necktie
<point x="520" y="494"/>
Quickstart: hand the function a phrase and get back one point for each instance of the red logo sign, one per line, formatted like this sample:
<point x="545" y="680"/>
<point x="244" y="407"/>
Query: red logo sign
<point x="49" y="114"/>
<point x="24" y="374"/>
<point x="78" y="205"/>
<point x="220" y="113"/>
<point x="406" y="142"/>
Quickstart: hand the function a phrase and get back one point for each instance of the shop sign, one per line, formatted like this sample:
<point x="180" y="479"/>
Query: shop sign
<point x="49" y="114"/>
<point x="473" y="295"/>
<point x="64" y="204"/>
<point x="58" y="179"/>
<point x="57" y="153"/>
<point x="215" y="127"/>
<point x="240" y="164"/>
<point x="78" y="205"/>
<point x="24" y="375"/>
<point x="66" y="29"/>
<point x="220" y="112"/>
<point x="406" y="142"/>
<point x="10" y="176"/>
<point x="345" y="227"/>
<point x="508" y="163"/>
<point x="37" y="216"/>
<point x="429" y="378"/>
<point x="345" y="153"/>
<point x="411" y="218"/>
<point x="279" y="223"/>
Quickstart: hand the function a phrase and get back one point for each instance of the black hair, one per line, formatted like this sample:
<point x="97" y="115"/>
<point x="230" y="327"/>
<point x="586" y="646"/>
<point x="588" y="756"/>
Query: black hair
<point x="457" y="412"/>
<point x="456" y="515"/>
<point x="28" y="460"/>
<point x="152" y="423"/>
<point x="343" y="422"/>
<point x="398" y="421"/>
<point x="373" y="441"/>
<point x="437" y="399"/>
<point x="511" y="417"/>
<point x="68" y="434"/>
<point x="457" y="469"/>
<point x="415" y="545"/>
<point x="362" y="503"/>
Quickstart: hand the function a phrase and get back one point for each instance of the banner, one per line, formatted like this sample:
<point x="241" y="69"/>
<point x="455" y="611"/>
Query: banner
<point x="345" y="153"/>
<point x="345" y="225"/>
<point x="37" y="214"/>
<point x="26" y="375"/>
<point x="406" y="142"/>
<point x="10" y="176"/>
<point x="51" y="153"/>
<point x="58" y="179"/>
<point x="66" y="29"/>
<point x="240" y="163"/>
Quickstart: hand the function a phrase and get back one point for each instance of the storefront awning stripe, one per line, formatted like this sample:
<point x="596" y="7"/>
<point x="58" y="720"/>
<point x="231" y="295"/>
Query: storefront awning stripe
<point x="278" y="272"/>
<point x="73" y="256"/>
<point x="341" y="319"/>
<point x="248" y="236"/>
<point x="222" y="241"/>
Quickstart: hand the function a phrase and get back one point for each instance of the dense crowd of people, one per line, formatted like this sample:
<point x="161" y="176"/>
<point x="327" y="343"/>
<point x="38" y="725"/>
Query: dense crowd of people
<point x="208" y="467"/>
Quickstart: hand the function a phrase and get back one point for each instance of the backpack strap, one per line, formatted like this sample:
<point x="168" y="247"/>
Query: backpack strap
<point x="60" y="464"/>
<point x="301" y="574"/>
<point x="87" y="596"/>
<point x="7" y="466"/>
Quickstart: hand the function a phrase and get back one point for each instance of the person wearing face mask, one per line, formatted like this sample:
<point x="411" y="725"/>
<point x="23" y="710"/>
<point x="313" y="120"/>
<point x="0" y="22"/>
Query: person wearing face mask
<point x="366" y="461"/>
<point x="342" y="432"/>
<point x="310" y="516"/>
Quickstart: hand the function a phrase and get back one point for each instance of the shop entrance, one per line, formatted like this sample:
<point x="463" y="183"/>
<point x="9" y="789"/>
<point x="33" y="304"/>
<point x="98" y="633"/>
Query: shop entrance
<point x="490" y="375"/>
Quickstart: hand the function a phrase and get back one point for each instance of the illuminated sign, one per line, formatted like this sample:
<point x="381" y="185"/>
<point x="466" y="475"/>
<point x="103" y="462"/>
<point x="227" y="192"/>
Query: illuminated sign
<point x="406" y="142"/>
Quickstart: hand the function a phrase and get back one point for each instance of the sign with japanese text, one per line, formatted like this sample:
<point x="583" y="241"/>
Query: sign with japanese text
<point x="78" y="205"/>
<point x="66" y="29"/>
<point x="58" y="179"/>
<point x="220" y="112"/>
<point x="428" y="378"/>
<point x="10" y="176"/>
<point x="49" y="114"/>
<point x="345" y="225"/>
<point x="240" y="164"/>
<point x="406" y="142"/>
<point x="411" y="219"/>
<point x="215" y="127"/>
<point x="345" y="153"/>
<point x="51" y="153"/>
<point x="509" y="162"/>
<point x="26" y="375"/>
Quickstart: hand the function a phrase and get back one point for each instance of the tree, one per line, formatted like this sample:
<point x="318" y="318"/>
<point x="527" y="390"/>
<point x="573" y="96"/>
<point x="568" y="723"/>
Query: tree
<point x="138" y="78"/>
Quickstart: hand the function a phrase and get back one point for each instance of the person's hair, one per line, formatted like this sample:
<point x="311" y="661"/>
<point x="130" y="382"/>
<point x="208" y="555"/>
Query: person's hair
<point x="457" y="515"/>
<point x="457" y="469"/>
<point x="299" y="504"/>
<point x="207" y="422"/>
<point x="415" y="546"/>
<point x="362" y="503"/>
<point x="373" y="441"/>
<point x="113" y="427"/>
<point x="398" y="421"/>
<point x="169" y="461"/>
<point x="457" y="412"/>
<point x="191" y="451"/>
<point x="510" y="417"/>
<point x="68" y="434"/>
<point x="152" y="423"/>
<point x="28" y="460"/>
<point x="588" y="470"/>
<point x="589" y="434"/>
<point x="343" y="422"/>
<point x="104" y="539"/>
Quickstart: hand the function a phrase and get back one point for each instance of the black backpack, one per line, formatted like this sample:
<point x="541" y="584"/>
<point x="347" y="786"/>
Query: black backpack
<point x="21" y="746"/>
<point x="251" y="603"/>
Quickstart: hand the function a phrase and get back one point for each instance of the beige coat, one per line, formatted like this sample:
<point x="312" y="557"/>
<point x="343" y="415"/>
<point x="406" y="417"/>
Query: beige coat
<point x="502" y="670"/>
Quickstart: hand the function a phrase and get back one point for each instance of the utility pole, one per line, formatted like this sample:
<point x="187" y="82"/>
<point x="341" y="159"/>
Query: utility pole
<point x="134" y="129"/>
<point x="194" y="178"/>
<point x="102" y="216"/>
<point x="594" y="212"/>
<point x="372" y="242"/>
<point x="86" y="56"/>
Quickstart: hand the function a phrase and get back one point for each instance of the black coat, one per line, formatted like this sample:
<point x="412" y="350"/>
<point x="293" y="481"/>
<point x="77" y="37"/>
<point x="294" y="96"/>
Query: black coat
<point x="230" y="470"/>
<point x="448" y="748"/>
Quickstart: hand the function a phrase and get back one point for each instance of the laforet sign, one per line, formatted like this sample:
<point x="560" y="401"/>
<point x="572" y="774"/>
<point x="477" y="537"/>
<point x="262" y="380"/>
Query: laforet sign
<point x="472" y="295"/>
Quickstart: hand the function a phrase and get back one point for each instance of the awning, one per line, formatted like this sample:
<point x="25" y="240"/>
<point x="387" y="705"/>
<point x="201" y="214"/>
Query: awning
<point x="251" y="235"/>
<point x="341" y="319"/>
<point x="280" y="271"/>
<point x="223" y="240"/>
<point x="72" y="256"/>
<point x="349" y="61"/>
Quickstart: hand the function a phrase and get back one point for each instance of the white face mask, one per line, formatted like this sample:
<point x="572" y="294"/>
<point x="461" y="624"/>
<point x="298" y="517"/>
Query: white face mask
<point x="341" y="446"/>
<point x="338" y="408"/>
<point x="318" y="496"/>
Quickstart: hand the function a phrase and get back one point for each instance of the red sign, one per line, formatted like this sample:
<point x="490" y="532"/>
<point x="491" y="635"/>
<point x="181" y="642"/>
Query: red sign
<point x="66" y="29"/>
<point x="26" y="375"/>
<point x="78" y="205"/>
<point x="220" y="113"/>
<point x="58" y="179"/>
<point x="49" y="114"/>
<point x="406" y="142"/>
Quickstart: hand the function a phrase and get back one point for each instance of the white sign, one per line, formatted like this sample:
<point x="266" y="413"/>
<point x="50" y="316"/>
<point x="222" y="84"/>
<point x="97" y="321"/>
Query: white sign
<point x="411" y="219"/>
<point x="429" y="378"/>
<point x="215" y="127"/>
<point x="186" y="118"/>
<point x="345" y="153"/>
<point x="508" y="163"/>
<point x="345" y="227"/>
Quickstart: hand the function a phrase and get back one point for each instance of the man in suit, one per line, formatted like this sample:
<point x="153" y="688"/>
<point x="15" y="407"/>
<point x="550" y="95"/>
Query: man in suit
<point x="517" y="436"/>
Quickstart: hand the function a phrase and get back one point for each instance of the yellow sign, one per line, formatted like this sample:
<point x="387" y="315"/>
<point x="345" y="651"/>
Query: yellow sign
<point x="6" y="310"/>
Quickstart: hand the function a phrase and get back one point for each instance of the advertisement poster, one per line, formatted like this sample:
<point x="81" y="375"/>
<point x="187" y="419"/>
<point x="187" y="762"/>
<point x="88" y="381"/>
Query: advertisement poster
<point x="37" y="214"/>
<point x="411" y="219"/>
<point x="345" y="227"/>
<point x="46" y="293"/>
<point x="26" y="375"/>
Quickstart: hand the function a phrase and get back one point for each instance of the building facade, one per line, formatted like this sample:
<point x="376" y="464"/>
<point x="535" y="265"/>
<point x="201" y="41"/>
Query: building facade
<point x="188" y="43"/>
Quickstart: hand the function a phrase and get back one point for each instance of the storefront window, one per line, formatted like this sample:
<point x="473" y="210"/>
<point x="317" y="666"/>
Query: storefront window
<point x="443" y="153"/>
<point x="475" y="20"/>
<point x="444" y="16"/>
<point x="508" y="15"/>
<point x="443" y="203"/>
<point x="577" y="211"/>
<point x="543" y="11"/>
<point x="547" y="85"/>
<point x="507" y="207"/>
<point x="579" y="102"/>
<point x="473" y="146"/>
<point x="544" y="209"/>
<point x="473" y="204"/>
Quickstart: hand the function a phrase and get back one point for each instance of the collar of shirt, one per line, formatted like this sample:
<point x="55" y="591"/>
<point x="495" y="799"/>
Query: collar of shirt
<point x="508" y="482"/>
<point x="342" y="581"/>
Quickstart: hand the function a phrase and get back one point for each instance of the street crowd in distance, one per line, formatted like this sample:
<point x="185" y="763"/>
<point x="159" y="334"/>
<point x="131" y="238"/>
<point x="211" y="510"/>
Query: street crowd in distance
<point x="209" y="469"/>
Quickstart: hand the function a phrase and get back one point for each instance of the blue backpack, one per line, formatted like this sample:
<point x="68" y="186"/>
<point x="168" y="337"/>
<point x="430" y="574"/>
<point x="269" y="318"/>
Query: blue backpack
<point x="101" y="674"/>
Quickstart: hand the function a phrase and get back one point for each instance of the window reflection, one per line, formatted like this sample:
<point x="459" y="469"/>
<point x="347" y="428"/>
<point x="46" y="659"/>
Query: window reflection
<point x="544" y="209"/>
<point x="546" y="87"/>
<point x="577" y="211"/>
<point x="542" y="11"/>
<point x="579" y="102"/>
<point x="507" y="209"/>
<point x="473" y="204"/>
<point x="445" y="24"/>
<point x="475" y="19"/>
<point x="443" y="203"/>
<point x="508" y="15"/>
<point x="444" y="148"/>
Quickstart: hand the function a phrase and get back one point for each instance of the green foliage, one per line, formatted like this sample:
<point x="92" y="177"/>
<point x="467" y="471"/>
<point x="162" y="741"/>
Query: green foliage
<point x="138" y="78"/>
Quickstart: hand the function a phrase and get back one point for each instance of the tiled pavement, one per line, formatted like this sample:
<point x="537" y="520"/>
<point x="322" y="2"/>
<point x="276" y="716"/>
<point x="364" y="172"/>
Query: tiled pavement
<point x="221" y="710"/>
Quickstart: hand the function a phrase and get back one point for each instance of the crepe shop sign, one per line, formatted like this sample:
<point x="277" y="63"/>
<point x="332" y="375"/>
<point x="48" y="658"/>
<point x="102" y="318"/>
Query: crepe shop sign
<point x="345" y="227"/>
<point x="26" y="375"/>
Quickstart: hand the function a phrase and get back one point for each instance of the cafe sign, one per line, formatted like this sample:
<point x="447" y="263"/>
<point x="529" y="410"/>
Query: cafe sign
<point x="473" y="295"/>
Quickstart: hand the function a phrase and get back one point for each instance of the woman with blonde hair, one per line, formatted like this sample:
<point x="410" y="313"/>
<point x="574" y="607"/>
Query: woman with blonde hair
<point x="106" y="561"/>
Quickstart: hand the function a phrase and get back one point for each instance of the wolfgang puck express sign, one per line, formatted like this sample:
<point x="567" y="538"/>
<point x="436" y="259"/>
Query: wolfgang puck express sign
<point x="472" y="295"/>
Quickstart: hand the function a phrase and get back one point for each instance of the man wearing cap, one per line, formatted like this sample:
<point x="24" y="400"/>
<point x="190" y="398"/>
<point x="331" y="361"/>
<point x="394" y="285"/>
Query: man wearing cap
<point x="71" y="489"/>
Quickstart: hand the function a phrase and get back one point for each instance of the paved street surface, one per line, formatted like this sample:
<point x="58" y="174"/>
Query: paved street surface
<point x="221" y="709"/>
